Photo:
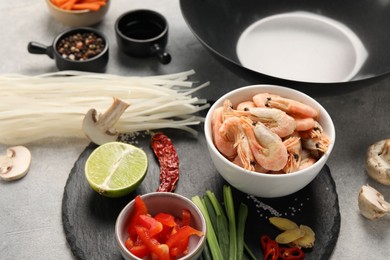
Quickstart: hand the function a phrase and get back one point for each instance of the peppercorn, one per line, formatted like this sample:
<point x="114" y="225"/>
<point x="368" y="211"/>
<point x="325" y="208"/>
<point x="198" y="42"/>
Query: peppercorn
<point x="80" y="46"/>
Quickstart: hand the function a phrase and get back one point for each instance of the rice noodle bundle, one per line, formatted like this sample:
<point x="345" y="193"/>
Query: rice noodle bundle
<point x="54" y="104"/>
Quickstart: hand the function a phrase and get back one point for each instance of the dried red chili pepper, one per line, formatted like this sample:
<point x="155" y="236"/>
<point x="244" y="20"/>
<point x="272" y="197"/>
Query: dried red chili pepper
<point x="169" y="161"/>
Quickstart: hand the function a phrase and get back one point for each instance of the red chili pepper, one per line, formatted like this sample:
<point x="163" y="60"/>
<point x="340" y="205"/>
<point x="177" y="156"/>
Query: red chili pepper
<point x="169" y="162"/>
<point x="291" y="253"/>
<point x="270" y="248"/>
<point x="264" y="239"/>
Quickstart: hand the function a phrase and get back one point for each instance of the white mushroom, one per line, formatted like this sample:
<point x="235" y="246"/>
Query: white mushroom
<point x="378" y="161"/>
<point x="99" y="128"/>
<point x="372" y="204"/>
<point x="15" y="164"/>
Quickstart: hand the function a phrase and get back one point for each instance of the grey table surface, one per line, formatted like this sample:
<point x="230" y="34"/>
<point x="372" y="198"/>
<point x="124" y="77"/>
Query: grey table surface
<point x="30" y="209"/>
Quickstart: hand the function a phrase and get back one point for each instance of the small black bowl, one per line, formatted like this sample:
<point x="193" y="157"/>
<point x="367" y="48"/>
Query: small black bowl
<point x="143" y="33"/>
<point x="94" y="63"/>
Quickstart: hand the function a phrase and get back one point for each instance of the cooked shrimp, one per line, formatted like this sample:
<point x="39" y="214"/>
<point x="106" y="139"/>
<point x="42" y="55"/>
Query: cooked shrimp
<point x="227" y="106"/>
<point x="277" y="120"/>
<point x="320" y="144"/>
<point x="244" y="156"/>
<point x="291" y="107"/>
<point x="246" y="105"/>
<point x="315" y="132"/>
<point x="294" y="150"/>
<point x="222" y="143"/>
<point x="304" y="124"/>
<point x="267" y="147"/>
<point x="306" y="163"/>
<point x="259" y="168"/>
<point x="232" y="132"/>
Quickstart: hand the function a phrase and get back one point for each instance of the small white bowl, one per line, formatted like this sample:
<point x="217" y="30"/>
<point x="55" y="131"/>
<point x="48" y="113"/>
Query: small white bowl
<point x="168" y="202"/>
<point x="76" y="18"/>
<point x="263" y="184"/>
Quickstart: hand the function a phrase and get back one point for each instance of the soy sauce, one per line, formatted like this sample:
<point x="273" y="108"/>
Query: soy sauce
<point x="142" y="30"/>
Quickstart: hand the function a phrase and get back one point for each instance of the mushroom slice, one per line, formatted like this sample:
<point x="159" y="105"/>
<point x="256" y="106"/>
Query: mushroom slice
<point x="372" y="204"/>
<point x="99" y="128"/>
<point x="15" y="164"/>
<point x="378" y="161"/>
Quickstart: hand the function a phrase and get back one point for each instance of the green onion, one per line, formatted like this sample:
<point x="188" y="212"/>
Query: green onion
<point x="206" y="254"/>
<point x="229" y="207"/>
<point x="217" y="206"/>
<point x="249" y="252"/>
<point x="242" y="215"/>
<point x="210" y="234"/>
<point x="210" y="209"/>
<point x="225" y="237"/>
<point x="222" y="226"/>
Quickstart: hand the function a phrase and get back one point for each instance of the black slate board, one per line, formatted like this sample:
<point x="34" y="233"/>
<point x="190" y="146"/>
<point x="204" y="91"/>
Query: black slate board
<point x="89" y="218"/>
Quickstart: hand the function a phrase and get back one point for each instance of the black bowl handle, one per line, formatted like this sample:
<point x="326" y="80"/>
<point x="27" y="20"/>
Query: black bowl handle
<point x="39" y="48"/>
<point x="162" y="56"/>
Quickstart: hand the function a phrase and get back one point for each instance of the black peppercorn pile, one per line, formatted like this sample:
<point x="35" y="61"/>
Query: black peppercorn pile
<point x="80" y="46"/>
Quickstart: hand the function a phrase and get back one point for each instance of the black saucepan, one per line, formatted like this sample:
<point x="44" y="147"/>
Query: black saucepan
<point x="219" y="24"/>
<point x="96" y="62"/>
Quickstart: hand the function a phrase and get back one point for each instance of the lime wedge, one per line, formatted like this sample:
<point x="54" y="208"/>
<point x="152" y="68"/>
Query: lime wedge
<point x="115" y="169"/>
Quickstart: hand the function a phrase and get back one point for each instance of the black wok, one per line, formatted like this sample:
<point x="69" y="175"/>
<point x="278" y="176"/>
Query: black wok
<point x="218" y="25"/>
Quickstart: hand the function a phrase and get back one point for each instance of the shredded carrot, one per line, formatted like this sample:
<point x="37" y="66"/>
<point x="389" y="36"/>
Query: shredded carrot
<point x="84" y="6"/>
<point x="93" y="5"/>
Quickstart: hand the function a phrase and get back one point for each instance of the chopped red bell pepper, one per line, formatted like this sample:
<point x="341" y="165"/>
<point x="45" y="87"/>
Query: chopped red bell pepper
<point x="185" y="217"/>
<point x="129" y="243"/>
<point x="165" y="234"/>
<point x="180" y="249"/>
<point x="161" y="251"/>
<point x="160" y="237"/>
<point x="165" y="219"/>
<point x="168" y="222"/>
<point x="154" y="227"/>
<point x="139" y="209"/>
<point x="178" y="242"/>
<point x="140" y="250"/>
<point x="291" y="253"/>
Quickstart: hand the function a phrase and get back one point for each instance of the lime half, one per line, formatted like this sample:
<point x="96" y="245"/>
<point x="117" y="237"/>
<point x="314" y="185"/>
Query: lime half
<point x="115" y="169"/>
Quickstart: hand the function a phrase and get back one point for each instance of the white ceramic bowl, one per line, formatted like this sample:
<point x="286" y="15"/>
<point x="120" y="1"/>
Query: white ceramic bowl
<point x="263" y="184"/>
<point x="168" y="202"/>
<point x="79" y="17"/>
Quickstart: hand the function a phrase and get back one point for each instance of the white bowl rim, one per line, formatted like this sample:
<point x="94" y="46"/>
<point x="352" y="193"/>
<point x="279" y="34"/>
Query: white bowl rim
<point x="269" y="88"/>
